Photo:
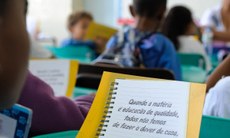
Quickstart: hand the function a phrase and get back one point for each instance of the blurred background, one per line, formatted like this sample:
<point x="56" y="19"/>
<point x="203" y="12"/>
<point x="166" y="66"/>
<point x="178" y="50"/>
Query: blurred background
<point x="51" y="15"/>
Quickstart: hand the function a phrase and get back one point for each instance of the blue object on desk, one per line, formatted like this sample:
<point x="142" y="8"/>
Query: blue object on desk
<point x="79" y="91"/>
<point x="23" y="116"/>
<point x="82" y="53"/>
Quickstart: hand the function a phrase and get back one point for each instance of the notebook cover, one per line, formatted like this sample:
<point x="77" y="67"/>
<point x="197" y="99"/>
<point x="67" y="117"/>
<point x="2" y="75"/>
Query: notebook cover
<point x="196" y="102"/>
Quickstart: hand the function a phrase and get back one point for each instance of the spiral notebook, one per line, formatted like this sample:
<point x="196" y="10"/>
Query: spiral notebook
<point x="135" y="107"/>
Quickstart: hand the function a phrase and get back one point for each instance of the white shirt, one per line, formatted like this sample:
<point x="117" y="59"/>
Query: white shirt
<point x="188" y="44"/>
<point x="217" y="101"/>
<point x="213" y="18"/>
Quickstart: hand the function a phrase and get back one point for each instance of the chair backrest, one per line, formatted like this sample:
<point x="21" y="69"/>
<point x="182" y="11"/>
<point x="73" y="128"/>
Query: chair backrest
<point x="67" y="134"/>
<point x="16" y="122"/>
<point x="89" y="76"/>
<point x="192" y="60"/>
<point x="213" y="127"/>
<point x="79" y="52"/>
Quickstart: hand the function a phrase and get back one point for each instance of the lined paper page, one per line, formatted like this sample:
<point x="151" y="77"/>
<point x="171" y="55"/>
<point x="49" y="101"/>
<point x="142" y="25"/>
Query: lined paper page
<point x="149" y="109"/>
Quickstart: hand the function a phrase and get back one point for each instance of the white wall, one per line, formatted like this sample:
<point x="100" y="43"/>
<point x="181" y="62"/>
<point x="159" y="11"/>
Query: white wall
<point x="52" y="15"/>
<point x="104" y="11"/>
<point x="197" y="6"/>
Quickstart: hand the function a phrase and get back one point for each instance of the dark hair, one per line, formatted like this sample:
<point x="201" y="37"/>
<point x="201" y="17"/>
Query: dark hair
<point x="176" y="23"/>
<point x="148" y="8"/>
<point x="74" y="18"/>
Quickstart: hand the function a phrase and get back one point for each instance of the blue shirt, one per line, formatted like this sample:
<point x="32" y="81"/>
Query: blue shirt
<point x="74" y="42"/>
<point x="155" y="50"/>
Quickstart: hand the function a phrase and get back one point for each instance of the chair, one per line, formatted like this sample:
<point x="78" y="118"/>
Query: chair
<point x="89" y="76"/>
<point x="82" y="53"/>
<point x="15" y="122"/>
<point x="213" y="127"/>
<point x="193" y="74"/>
<point x="196" y="60"/>
<point x="66" y="134"/>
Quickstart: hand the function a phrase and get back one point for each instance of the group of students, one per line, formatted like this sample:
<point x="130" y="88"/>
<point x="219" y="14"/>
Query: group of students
<point x="141" y="45"/>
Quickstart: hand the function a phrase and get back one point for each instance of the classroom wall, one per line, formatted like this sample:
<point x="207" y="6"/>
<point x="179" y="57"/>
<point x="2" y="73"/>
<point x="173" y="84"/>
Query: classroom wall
<point x="52" y="16"/>
<point x="197" y="6"/>
<point x="112" y="8"/>
<point x="104" y="11"/>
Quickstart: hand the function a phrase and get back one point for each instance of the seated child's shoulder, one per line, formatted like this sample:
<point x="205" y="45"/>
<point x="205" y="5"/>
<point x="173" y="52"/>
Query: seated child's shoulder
<point x="159" y="41"/>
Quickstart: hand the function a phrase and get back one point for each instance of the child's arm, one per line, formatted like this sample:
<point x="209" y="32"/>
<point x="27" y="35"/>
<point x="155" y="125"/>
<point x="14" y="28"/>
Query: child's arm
<point x="222" y="70"/>
<point x="53" y="114"/>
<point x="14" y="51"/>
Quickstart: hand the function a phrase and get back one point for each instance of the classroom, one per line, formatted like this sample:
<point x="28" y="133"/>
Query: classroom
<point x="114" y="69"/>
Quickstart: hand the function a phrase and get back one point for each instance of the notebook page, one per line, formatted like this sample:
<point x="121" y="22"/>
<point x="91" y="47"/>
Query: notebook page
<point x="56" y="73"/>
<point x="149" y="109"/>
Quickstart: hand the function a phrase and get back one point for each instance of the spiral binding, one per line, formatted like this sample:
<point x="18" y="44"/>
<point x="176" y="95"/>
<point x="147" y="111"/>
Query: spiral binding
<point x="103" y="124"/>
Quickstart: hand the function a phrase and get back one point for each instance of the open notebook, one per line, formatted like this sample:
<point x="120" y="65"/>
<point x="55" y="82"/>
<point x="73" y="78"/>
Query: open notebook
<point x="59" y="74"/>
<point x="135" y="107"/>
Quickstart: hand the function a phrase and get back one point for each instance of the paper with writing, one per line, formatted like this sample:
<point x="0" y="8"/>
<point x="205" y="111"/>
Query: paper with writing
<point x="149" y="109"/>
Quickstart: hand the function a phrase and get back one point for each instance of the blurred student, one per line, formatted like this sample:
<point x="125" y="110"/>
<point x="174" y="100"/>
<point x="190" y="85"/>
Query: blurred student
<point x="217" y="101"/>
<point x="78" y="24"/>
<point x="219" y="20"/>
<point x="142" y="45"/>
<point x="50" y="113"/>
<point x="14" y="51"/>
<point x="180" y="28"/>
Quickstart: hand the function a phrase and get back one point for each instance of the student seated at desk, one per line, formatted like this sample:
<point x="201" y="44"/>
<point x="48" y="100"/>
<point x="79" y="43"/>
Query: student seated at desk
<point x="78" y="24"/>
<point x="14" y="51"/>
<point x="218" y="98"/>
<point x="180" y="28"/>
<point x="142" y="45"/>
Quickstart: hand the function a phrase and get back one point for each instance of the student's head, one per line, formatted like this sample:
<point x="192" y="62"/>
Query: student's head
<point x="78" y="24"/>
<point x="178" y="22"/>
<point x="148" y="14"/>
<point x="14" y="45"/>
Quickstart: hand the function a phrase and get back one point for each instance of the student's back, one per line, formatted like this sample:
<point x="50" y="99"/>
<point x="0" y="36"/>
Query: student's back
<point x="141" y="45"/>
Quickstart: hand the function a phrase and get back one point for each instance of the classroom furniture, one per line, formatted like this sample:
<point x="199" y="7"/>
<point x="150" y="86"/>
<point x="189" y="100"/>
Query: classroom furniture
<point x="193" y="74"/>
<point x="66" y="134"/>
<point x="212" y="127"/>
<point x="81" y="53"/>
<point x="196" y="60"/>
<point x="193" y="67"/>
<point x="81" y="91"/>
<point x="89" y="76"/>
